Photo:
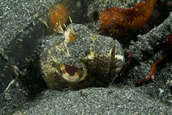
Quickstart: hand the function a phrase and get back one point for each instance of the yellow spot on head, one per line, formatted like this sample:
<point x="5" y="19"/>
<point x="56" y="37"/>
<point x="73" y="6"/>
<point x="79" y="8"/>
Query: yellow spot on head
<point x="91" y="55"/>
<point x="70" y="35"/>
<point x="93" y="38"/>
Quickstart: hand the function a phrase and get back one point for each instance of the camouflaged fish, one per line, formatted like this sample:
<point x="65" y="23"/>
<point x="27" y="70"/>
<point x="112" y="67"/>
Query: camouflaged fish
<point x="79" y="58"/>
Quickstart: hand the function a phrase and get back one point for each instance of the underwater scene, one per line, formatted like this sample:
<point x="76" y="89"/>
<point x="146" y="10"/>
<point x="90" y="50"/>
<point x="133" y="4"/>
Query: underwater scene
<point x="85" y="57"/>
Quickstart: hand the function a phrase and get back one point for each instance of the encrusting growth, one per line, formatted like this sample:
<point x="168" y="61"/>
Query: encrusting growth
<point x="116" y="21"/>
<point x="60" y="13"/>
<point x="58" y="16"/>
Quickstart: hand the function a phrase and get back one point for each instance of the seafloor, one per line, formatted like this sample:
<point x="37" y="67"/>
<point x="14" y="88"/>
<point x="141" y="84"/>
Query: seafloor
<point x="122" y="97"/>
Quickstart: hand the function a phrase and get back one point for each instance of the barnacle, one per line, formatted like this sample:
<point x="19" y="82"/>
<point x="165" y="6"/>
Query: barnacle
<point x="70" y="35"/>
<point x="117" y="21"/>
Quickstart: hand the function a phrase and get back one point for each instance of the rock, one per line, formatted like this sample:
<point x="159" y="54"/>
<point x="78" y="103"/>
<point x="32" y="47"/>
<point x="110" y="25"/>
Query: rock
<point x="112" y="100"/>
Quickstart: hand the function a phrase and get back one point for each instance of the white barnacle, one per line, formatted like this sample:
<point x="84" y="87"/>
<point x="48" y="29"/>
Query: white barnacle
<point x="67" y="35"/>
<point x="70" y="35"/>
<point x="119" y="57"/>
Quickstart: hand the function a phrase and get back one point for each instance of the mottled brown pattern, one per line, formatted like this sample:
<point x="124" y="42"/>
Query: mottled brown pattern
<point x="117" y="21"/>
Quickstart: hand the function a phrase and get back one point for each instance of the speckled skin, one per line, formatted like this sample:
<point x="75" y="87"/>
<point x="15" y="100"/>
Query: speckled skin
<point x="93" y="53"/>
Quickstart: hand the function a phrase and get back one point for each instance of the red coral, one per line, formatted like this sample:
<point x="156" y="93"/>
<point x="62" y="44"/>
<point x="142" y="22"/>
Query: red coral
<point x="116" y="21"/>
<point x="153" y="69"/>
<point x="157" y="62"/>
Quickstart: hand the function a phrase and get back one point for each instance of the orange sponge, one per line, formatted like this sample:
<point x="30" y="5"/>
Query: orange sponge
<point x="58" y="16"/>
<point x="116" y="21"/>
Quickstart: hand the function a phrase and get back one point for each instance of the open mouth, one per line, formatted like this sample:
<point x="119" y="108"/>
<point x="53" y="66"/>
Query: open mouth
<point x="73" y="74"/>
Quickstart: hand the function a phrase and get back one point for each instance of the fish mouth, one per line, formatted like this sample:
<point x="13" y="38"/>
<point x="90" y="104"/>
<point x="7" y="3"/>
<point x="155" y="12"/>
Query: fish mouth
<point x="73" y="74"/>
